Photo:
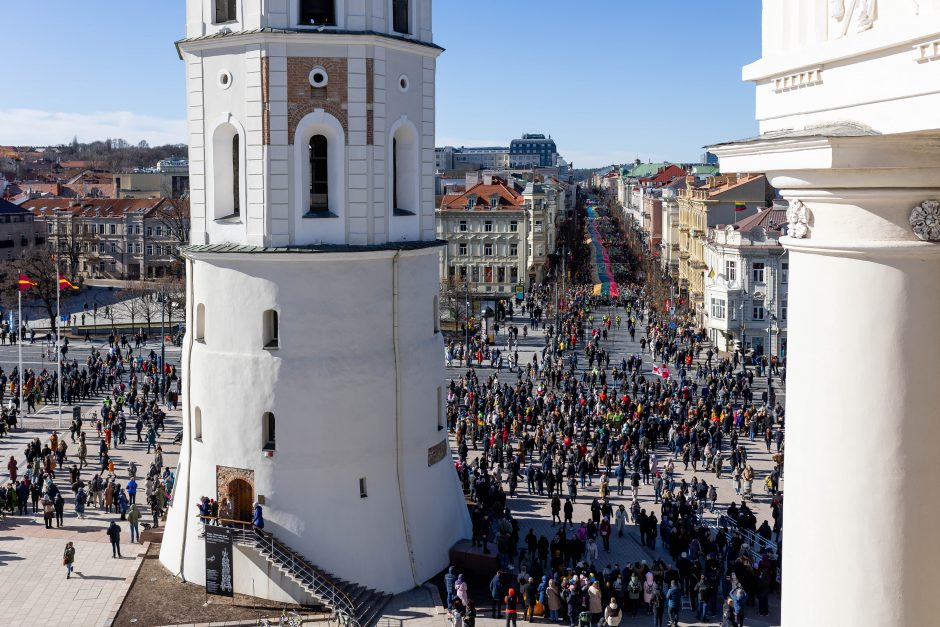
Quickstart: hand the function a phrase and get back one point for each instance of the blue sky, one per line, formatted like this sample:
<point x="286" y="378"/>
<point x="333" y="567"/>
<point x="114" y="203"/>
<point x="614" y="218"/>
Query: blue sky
<point x="610" y="80"/>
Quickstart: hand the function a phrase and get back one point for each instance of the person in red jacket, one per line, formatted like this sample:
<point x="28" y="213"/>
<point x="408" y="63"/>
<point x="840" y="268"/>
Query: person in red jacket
<point x="512" y="603"/>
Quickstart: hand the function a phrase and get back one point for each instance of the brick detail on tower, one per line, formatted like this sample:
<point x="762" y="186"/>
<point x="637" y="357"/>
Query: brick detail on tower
<point x="266" y="99"/>
<point x="302" y="98"/>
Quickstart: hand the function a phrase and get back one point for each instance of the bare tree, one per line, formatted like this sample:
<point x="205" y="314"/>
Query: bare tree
<point x="174" y="288"/>
<point x="70" y="241"/>
<point x="173" y="215"/>
<point x="149" y="304"/>
<point x="131" y="308"/>
<point x="453" y="302"/>
<point x="40" y="267"/>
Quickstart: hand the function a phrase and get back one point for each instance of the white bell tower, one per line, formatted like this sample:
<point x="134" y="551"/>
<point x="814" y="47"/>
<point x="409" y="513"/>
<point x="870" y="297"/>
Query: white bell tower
<point x="313" y="356"/>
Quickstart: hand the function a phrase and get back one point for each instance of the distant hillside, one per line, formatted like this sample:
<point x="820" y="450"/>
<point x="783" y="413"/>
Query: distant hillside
<point x="115" y="155"/>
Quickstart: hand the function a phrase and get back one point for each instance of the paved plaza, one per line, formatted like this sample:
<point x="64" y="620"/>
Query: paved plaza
<point x="533" y="511"/>
<point x="31" y="555"/>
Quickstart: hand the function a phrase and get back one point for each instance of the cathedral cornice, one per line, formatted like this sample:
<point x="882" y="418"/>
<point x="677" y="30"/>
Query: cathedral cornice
<point x="331" y="36"/>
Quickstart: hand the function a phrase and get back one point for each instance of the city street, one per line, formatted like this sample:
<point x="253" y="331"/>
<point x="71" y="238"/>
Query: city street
<point x="533" y="511"/>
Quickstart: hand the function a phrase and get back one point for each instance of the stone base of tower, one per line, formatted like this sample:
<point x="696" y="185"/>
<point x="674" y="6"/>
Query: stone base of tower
<point x="358" y="477"/>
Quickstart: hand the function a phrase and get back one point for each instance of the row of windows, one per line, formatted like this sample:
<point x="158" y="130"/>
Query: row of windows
<point x="111" y="229"/>
<point x="320" y="201"/>
<point x="268" y="429"/>
<point x="719" y="310"/>
<point x="757" y="271"/>
<point x="316" y="13"/>
<point x="488" y="249"/>
<point x="488" y="226"/>
<point x="490" y="274"/>
<point x="269" y="327"/>
<point x="270" y="323"/>
<point x="132" y="248"/>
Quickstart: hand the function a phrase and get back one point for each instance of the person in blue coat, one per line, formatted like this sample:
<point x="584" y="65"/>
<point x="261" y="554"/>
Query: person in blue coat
<point x="450" y="580"/>
<point x="674" y="602"/>
<point x="257" y="518"/>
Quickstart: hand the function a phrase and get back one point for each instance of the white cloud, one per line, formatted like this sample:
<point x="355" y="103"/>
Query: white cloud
<point x="37" y="128"/>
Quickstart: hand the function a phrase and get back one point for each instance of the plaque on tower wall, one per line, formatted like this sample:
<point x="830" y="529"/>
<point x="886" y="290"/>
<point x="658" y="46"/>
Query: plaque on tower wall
<point x="437" y="452"/>
<point x="219" y="561"/>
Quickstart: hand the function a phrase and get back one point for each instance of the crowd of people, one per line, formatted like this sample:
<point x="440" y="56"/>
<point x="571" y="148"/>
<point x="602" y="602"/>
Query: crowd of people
<point x="83" y="466"/>
<point x="577" y="415"/>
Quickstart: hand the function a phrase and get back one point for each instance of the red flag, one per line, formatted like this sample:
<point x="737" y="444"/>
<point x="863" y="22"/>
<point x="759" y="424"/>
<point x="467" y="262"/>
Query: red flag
<point x="64" y="283"/>
<point x="24" y="283"/>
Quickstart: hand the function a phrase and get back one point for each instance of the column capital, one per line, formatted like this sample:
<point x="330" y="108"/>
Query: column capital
<point x="858" y="187"/>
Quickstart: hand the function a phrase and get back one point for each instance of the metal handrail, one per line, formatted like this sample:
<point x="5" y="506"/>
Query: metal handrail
<point x="757" y="542"/>
<point x="322" y="587"/>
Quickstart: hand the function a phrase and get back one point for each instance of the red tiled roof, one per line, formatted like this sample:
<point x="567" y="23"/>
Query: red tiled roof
<point x="481" y="194"/>
<point x="92" y="207"/>
<point x="665" y="175"/>
<point x="771" y="219"/>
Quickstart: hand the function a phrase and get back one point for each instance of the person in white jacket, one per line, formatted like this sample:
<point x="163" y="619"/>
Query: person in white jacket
<point x="612" y="614"/>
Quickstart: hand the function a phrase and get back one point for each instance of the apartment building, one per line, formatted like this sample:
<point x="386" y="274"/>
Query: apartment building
<point x="719" y="200"/>
<point x="19" y="232"/>
<point x="487" y="232"/>
<point x="114" y="238"/>
<point x="746" y="282"/>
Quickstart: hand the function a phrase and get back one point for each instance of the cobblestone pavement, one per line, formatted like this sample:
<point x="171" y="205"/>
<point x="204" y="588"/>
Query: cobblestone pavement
<point x="32" y="576"/>
<point x="533" y="511"/>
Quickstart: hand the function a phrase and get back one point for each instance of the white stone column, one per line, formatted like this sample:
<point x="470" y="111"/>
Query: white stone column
<point x="862" y="496"/>
<point x="862" y="480"/>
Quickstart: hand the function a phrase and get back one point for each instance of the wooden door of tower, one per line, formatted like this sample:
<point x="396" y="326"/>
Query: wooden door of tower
<point x="241" y="496"/>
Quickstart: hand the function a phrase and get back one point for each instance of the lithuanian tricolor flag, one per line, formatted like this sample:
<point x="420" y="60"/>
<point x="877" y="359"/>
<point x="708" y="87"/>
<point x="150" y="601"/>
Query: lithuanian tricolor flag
<point x="740" y="206"/>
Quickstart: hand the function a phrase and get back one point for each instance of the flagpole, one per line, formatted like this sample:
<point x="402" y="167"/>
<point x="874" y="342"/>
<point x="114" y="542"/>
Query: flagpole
<point x="58" y="355"/>
<point x="19" y="344"/>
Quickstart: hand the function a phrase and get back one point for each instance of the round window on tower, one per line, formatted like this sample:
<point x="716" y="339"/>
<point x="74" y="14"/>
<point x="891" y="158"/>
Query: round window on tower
<point x="319" y="77"/>
<point x="225" y="79"/>
<point x="403" y="83"/>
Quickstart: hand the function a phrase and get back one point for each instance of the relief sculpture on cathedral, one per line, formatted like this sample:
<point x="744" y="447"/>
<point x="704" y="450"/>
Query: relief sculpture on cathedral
<point x="845" y="12"/>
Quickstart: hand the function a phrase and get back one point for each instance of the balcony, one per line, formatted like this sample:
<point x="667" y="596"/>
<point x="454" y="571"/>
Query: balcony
<point x="683" y="228"/>
<point x="698" y="265"/>
<point x="684" y="254"/>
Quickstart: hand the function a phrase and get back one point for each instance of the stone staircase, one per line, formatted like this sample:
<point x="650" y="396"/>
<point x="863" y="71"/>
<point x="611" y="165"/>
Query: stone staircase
<point x="352" y="605"/>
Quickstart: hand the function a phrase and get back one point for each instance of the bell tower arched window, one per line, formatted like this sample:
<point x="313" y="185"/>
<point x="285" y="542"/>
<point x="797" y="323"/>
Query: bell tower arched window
<point x="224" y="11"/>
<point x="404" y="173"/>
<point x="226" y="172"/>
<point x="318" y="12"/>
<point x="268" y="439"/>
<point x="400" y="16"/>
<point x="236" y="175"/>
<point x="319" y="175"/>
<point x="395" y="203"/>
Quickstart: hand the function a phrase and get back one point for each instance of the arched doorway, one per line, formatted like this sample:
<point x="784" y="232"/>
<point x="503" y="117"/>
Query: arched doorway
<point x="241" y="496"/>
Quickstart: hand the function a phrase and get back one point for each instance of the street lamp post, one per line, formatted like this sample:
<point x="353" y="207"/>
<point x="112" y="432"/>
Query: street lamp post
<point x="467" y="321"/>
<point x="742" y="348"/>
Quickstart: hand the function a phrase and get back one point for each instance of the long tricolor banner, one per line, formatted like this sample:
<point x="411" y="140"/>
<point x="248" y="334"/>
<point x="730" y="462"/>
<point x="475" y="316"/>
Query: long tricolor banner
<point x="606" y="285"/>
